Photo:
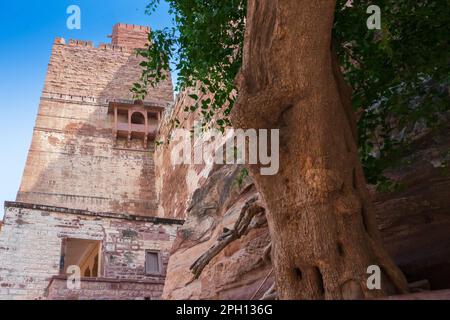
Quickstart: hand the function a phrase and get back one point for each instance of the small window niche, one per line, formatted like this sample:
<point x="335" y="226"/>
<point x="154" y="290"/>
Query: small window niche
<point x="135" y="121"/>
<point x="153" y="262"/>
<point x="82" y="253"/>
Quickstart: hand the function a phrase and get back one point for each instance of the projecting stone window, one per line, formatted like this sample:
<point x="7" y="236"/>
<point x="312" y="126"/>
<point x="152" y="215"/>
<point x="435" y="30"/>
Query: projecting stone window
<point x="82" y="253"/>
<point x="153" y="263"/>
<point x="135" y="121"/>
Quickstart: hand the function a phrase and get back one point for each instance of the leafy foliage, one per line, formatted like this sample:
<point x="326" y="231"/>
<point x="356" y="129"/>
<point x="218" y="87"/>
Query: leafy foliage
<point x="206" y="44"/>
<point x="400" y="74"/>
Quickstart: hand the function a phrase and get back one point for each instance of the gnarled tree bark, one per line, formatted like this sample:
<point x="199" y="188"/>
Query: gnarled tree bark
<point x="321" y="221"/>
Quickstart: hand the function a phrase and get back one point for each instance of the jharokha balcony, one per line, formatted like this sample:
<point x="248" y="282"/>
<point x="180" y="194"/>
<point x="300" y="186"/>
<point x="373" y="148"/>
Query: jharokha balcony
<point x="135" y="121"/>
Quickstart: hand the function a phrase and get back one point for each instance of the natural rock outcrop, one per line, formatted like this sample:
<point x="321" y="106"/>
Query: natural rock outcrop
<point x="237" y="271"/>
<point x="415" y="220"/>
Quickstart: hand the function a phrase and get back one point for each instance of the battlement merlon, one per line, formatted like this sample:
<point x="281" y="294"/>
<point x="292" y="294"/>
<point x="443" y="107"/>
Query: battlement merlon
<point x="130" y="35"/>
<point x="89" y="44"/>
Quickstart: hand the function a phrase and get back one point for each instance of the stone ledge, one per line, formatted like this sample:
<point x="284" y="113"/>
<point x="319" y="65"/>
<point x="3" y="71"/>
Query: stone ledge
<point x="104" y="289"/>
<point x="160" y="280"/>
<point x="96" y="101"/>
<point x="111" y="215"/>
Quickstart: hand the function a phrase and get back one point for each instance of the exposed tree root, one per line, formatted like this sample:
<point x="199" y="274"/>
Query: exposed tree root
<point x="249" y="210"/>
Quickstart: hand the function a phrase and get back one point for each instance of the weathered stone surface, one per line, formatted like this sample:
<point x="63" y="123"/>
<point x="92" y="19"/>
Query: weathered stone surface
<point x="176" y="184"/>
<point x="210" y="197"/>
<point x="235" y="273"/>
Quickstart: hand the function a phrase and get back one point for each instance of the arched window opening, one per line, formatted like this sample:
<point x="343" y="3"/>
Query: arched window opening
<point x="137" y="118"/>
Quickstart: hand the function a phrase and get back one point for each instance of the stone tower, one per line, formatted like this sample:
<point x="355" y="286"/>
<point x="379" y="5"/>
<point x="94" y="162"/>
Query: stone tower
<point x="75" y="160"/>
<point x="87" y="196"/>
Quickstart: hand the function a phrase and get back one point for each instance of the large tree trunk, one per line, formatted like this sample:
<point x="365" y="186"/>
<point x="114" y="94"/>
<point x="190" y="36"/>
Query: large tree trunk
<point x="320" y="217"/>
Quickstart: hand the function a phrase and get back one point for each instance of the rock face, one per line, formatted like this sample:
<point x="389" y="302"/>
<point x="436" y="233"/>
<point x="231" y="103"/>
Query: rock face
<point x="210" y="198"/>
<point x="176" y="183"/>
<point x="414" y="221"/>
<point x="236" y="272"/>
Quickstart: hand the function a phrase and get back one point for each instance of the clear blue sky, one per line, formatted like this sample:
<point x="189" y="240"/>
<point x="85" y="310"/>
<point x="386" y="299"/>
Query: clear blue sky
<point x="27" y="30"/>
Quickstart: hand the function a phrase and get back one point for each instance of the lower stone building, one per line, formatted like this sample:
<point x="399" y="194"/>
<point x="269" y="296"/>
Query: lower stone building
<point x="119" y="256"/>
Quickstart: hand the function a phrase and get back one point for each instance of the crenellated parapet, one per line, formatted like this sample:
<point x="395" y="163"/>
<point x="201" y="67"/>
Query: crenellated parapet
<point x="124" y="38"/>
<point x="83" y="44"/>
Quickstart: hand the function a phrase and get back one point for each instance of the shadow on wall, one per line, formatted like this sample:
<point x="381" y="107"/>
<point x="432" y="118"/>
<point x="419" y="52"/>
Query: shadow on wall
<point x="415" y="221"/>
